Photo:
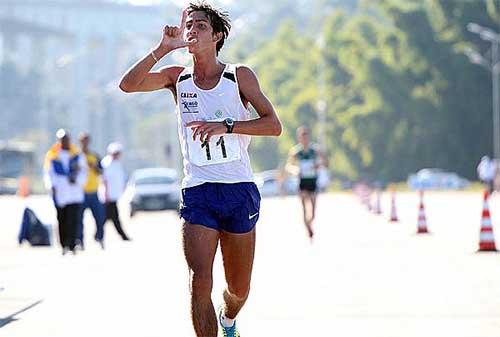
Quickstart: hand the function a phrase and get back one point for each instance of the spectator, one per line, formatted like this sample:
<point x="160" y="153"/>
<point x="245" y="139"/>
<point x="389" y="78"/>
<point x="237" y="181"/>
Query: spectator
<point x="486" y="171"/>
<point x="91" y="199"/>
<point x="114" y="179"/>
<point x="65" y="175"/>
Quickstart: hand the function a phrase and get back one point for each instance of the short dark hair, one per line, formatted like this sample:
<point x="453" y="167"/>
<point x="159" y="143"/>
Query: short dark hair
<point x="303" y="129"/>
<point x="219" y="20"/>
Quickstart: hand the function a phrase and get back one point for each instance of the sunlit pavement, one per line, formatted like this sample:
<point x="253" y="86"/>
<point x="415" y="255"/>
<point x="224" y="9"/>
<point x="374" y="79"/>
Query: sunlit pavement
<point x="362" y="276"/>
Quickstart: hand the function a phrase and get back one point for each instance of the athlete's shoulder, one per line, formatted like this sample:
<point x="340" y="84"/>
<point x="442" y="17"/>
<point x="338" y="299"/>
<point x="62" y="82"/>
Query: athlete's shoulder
<point x="244" y="72"/>
<point x="247" y="80"/>
<point x="317" y="148"/>
<point x="295" y="150"/>
<point x="172" y="72"/>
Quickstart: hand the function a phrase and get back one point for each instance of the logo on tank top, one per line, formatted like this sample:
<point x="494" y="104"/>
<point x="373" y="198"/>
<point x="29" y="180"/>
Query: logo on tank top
<point x="189" y="107"/>
<point x="219" y="113"/>
<point x="189" y="95"/>
<point x="189" y="102"/>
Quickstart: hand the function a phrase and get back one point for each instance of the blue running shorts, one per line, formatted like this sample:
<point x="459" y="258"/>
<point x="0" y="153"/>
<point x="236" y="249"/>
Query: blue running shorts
<point x="233" y="208"/>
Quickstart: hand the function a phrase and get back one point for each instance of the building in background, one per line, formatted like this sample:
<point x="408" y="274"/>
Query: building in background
<point x="80" y="48"/>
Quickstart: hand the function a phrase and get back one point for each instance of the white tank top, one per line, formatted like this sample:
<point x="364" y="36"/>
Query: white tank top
<point x="225" y="158"/>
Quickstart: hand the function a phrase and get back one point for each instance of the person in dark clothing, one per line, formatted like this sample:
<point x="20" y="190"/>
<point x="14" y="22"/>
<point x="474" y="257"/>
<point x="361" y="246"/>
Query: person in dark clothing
<point x="65" y="175"/>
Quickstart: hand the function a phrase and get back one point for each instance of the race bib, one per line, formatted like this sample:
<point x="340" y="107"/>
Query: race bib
<point x="307" y="168"/>
<point x="220" y="149"/>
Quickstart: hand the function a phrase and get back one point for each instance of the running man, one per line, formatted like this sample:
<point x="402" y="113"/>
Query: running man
<point x="220" y="202"/>
<point x="305" y="159"/>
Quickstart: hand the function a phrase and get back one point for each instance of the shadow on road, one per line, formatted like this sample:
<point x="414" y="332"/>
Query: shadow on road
<point x="11" y="318"/>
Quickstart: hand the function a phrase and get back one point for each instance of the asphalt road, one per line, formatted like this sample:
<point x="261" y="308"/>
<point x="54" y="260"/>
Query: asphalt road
<point x="362" y="276"/>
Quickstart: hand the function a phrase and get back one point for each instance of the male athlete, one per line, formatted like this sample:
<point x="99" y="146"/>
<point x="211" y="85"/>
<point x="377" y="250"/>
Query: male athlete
<point x="305" y="159"/>
<point x="220" y="202"/>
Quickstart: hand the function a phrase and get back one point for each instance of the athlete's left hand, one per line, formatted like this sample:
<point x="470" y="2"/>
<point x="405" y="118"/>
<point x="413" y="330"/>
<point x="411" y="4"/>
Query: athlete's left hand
<point x="205" y="130"/>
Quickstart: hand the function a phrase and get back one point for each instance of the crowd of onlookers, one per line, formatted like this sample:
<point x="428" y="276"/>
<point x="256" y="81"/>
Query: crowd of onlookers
<point x="78" y="179"/>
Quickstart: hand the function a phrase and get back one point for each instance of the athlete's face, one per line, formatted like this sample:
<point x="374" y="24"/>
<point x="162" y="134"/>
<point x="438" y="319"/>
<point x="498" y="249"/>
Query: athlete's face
<point x="303" y="137"/>
<point x="198" y="27"/>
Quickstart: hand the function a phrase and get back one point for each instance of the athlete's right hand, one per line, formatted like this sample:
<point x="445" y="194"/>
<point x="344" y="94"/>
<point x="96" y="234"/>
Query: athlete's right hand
<point x="173" y="36"/>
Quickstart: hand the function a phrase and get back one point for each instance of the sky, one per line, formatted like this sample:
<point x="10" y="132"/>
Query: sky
<point x="180" y="3"/>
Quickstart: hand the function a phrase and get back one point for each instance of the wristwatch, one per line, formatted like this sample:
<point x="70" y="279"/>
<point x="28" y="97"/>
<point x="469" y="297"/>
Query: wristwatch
<point x="229" y="124"/>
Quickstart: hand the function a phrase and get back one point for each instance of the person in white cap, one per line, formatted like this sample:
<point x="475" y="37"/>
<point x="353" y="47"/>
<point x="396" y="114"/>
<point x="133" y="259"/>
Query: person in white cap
<point x="113" y="183"/>
<point x="486" y="171"/>
<point x="65" y="175"/>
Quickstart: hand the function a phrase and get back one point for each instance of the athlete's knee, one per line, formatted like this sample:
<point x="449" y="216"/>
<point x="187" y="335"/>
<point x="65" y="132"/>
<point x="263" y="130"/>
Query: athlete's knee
<point x="201" y="284"/>
<point x="239" y="292"/>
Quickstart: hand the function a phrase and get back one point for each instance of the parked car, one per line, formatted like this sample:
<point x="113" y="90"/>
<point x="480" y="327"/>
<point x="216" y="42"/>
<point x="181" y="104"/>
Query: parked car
<point x="433" y="178"/>
<point x="269" y="185"/>
<point x="151" y="189"/>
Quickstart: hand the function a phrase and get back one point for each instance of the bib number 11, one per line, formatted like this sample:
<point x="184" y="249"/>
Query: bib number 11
<point x="220" y="143"/>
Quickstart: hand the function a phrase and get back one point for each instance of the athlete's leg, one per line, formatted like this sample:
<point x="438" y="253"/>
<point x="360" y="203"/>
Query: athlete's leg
<point x="305" y="196"/>
<point x="237" y="254"/>
<point x="312" y="199"/>
<point x="313" y="196"/>
<point x="200" y="245"/>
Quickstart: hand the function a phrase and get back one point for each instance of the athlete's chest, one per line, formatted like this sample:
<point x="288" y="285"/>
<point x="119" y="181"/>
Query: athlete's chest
<point x="306" y="155"/>
<point x="208" y="83"/>
<point x="217" y="103"/>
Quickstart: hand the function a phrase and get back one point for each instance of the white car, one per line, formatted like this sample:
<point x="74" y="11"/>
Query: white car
<point x="432" y="178"/>
<point x="152" y="189"/>
<point x="268" y="183"/>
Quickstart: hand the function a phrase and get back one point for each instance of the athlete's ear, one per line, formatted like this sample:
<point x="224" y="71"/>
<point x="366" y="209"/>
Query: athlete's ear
<point x="217" y="36"/>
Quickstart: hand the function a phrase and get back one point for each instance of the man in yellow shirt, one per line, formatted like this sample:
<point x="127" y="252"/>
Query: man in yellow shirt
<point x="90" y="188"/>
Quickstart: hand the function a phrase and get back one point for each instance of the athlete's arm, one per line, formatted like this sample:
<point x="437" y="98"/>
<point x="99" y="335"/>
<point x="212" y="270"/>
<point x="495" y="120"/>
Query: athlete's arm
<point x="267" y="124"/>
<point x="140" y="78"/>
<point x="323" y="162"/>
<point x="291" y="164"/>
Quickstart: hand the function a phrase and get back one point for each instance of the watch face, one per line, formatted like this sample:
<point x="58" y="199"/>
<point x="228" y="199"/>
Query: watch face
<point x="229" y="122"/>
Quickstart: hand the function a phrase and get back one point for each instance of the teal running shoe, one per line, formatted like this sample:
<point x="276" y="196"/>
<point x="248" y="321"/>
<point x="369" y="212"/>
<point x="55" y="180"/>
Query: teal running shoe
<point x="227" y="332"/>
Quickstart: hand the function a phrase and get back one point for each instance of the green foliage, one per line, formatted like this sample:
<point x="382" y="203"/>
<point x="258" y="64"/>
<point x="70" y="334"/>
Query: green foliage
<point x="289" y="82"/>
<point x="400" y="93"/>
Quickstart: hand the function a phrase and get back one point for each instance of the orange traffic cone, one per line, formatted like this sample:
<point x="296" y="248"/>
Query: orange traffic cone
<point x="422" y="222"/>
<point x="377" y="209"/>
<point x="486" y="237"/>
<point x="24" y="187"/>
<point x="394" y="214"/>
